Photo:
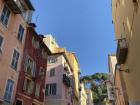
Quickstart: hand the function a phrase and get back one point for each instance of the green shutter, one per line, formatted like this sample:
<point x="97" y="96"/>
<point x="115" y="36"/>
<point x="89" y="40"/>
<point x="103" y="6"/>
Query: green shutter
<point x="47" y="90"/>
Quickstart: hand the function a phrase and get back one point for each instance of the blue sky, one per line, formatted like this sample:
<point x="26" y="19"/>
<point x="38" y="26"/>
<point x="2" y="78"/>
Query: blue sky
<point x="81" y="26"/>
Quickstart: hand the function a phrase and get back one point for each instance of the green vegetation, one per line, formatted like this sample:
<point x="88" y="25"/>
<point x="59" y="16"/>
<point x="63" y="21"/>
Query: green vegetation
<point x="98" y="86"/>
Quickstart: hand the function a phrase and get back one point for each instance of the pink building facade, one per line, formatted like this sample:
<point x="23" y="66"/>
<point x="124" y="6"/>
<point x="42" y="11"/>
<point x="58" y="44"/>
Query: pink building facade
<point x="58" y="81"/>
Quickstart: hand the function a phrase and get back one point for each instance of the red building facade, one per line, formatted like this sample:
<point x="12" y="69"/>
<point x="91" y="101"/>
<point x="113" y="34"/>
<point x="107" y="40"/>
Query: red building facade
<point x="31" y="82"/>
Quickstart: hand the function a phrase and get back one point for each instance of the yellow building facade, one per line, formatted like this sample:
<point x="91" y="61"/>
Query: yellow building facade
<point x="74" y="63"/>
<point x="83" y="95"/>
<point x="126" y="15"/>
<point x="89" y="97"/>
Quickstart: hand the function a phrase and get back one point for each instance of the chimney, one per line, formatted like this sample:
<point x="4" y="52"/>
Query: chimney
<point x="33" y="25"/>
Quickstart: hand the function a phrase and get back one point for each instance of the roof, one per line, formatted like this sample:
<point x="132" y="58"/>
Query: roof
<point x="40" y="38"/>
<point x="28" y="2"/>
<point x="64" y="54"/>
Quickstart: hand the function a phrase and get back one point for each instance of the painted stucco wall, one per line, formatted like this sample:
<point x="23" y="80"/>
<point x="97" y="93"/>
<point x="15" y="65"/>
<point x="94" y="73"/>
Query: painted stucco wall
<point x="89" y="97"/>
<point x="50" y="42"/>
<point x="40" y="62"/>
<point x="125" y="13"/>
<point x="62" y="97"/>
<point x="10" y="43"/>
<point x="83" y="95"/>
<point x="73" y="61"/>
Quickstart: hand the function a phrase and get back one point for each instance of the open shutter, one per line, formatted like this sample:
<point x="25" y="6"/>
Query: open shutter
<point x="25" y="84"/>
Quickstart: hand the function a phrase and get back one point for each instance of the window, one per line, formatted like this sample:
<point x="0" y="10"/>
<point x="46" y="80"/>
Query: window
<point x="20" y="33"/>
<point x="44" y="53"/>
<point x="30" y="66"/>
<point x="35" y="42"/>
<point x="42" y="73"/>
<point x="5" y="15"/>
<point x="50" y="89"/>
<point x="1" y="41"/>
<point x="37" y="90"/>
<point x="52" y="72"/>
<point x="15" y="59"/>
<point x="52" y="59"/>
<point x="18" y="102"/>
<point x="135" y="2"/>
<point x="8" y="91"/>
<point x="28" y="85"/>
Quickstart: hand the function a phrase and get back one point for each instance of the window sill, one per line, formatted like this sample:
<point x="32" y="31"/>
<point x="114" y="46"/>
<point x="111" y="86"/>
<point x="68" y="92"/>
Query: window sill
<point x="3" y="24"/>
<point x="25" y="92"/>
<point x="15" y="69"/>
<point x="3" y="27"/>
<point x="19" y="41"/>
<point x="29" y="75"/>
<point x="7" y="101"/>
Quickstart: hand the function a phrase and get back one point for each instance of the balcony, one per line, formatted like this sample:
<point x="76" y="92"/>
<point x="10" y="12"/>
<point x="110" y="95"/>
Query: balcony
<point x="18" y="6"/>
<point x="14" y="5"/>
<point x="122" y="50"/>
<point x="66" y="80"/>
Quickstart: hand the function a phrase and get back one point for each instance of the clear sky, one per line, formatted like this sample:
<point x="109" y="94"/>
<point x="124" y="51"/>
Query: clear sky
<point x="81" y="26"/>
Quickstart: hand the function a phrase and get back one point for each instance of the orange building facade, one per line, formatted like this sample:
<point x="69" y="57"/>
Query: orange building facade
<point x="14" y="16"/>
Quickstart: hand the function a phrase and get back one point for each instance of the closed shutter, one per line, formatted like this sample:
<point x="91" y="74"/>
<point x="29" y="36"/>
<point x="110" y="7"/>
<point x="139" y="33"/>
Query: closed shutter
<point x="47" y="90"/>
<point x="25" y="84"/>
<point x="15" y="59"/>
<point x="54" y="89"/>
<point x="8" y="91"/>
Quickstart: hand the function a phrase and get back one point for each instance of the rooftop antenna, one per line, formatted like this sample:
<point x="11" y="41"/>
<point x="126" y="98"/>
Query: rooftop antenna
<point x="36" y="19"/>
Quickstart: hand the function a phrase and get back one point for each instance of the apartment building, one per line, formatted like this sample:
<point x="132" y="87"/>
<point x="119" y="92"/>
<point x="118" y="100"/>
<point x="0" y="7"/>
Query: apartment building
<point x="58" y="81"/>
<point x="31" y="82"/>
<point x="76" y="76"/>
<point x="83" y="95"/>
<point x="58" y="75"/>
<point x="115" y="83"/>
<point x="126" y="14"/>
<point x="89" y="97"/>
<point x="14" y="16"/>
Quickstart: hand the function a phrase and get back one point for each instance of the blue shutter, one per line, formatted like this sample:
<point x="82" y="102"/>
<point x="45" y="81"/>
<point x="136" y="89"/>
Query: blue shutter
<point x="15" y="59"/>
<point x="8" y="91"/>
<point x="20" y="33"/>
<point x="1" y="40"/>
<point x="5" y="15"/>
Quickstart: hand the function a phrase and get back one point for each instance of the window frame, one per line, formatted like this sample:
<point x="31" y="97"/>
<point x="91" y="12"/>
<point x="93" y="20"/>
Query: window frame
<point x="52" y="72"/>
<point x="17" y="59"/>
<point x="5" y="91"/>
<point x="42" y="72"/>
<point x="20" y="34"/>
<point x="51" y="89"/>
<point x="33" y="66"/>
<point x="25" y="88"/>
<point x="52" y="59"/>
<point x="136" y="5"/>
<point x="37" y="94"/>
<point x="2" y="21"/>
<point x="1" y="45"/>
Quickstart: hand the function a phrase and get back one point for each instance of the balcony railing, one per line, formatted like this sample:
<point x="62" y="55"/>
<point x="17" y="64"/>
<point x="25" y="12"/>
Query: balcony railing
<point x="122" y="50"/>
<point x="14" y="5"/>
<point x="66" y="80"/>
